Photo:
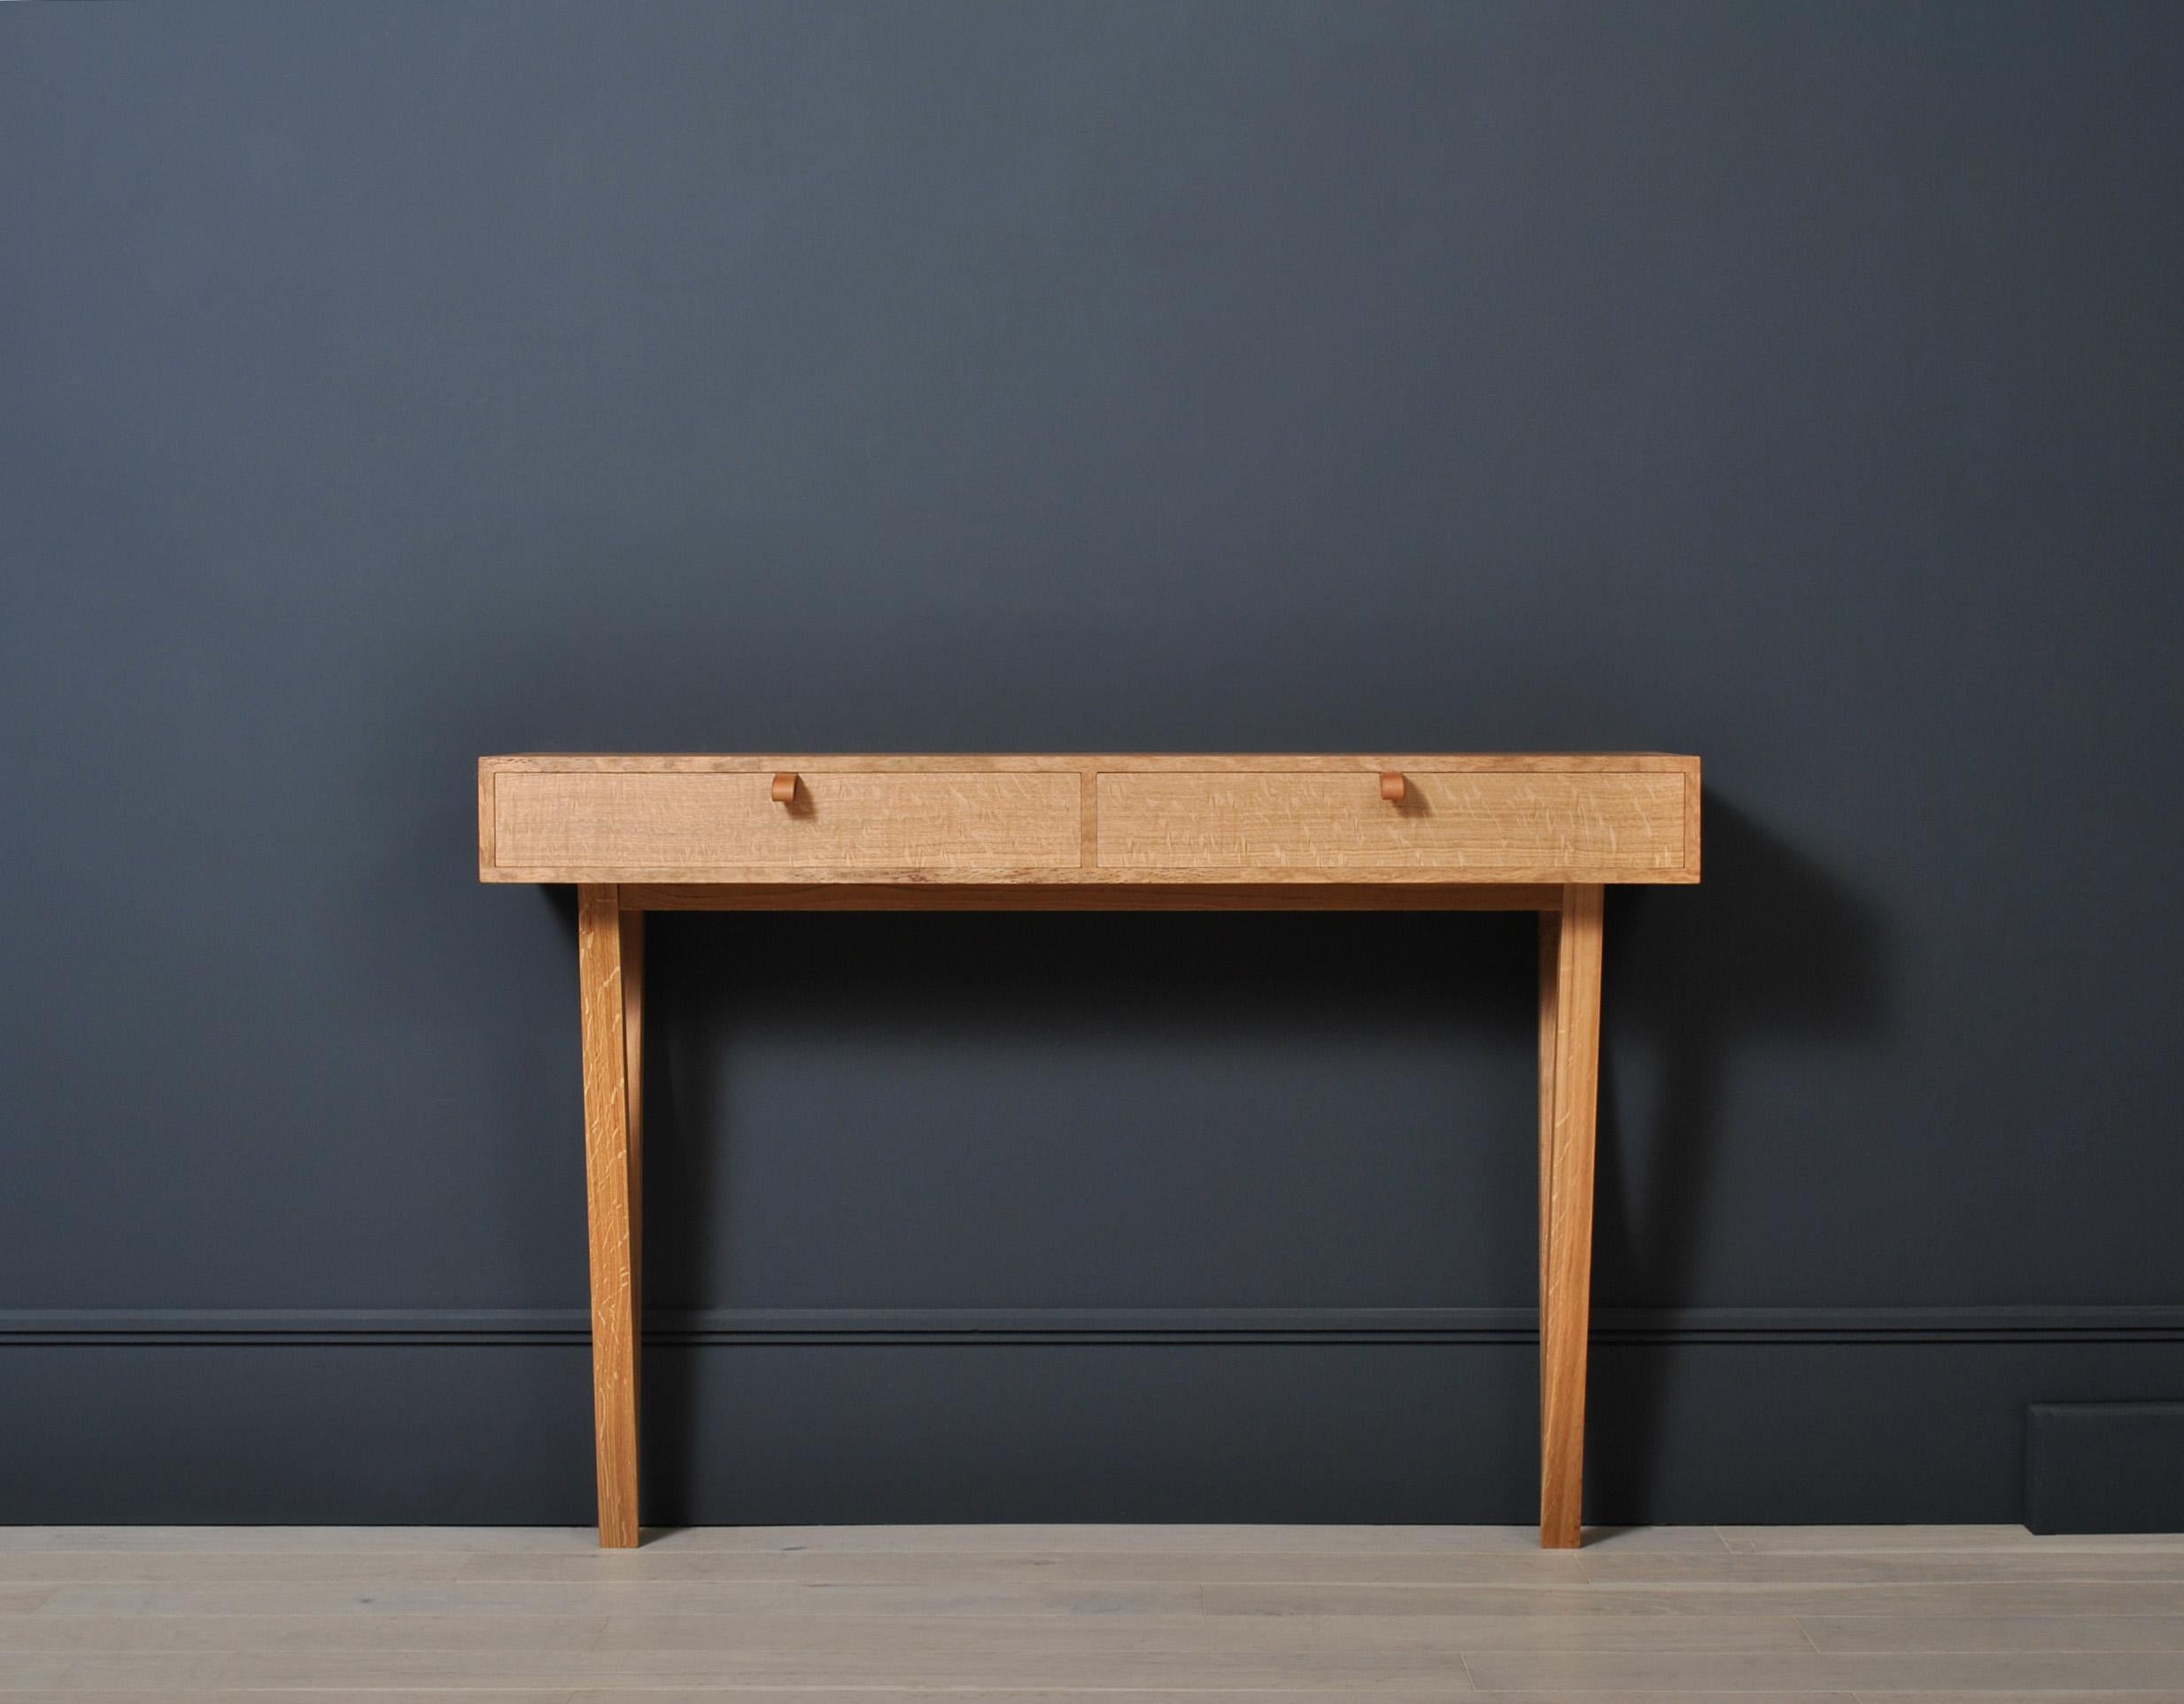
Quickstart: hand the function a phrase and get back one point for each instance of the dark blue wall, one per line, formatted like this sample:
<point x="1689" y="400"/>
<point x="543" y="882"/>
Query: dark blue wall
<point x="384" y="384"/>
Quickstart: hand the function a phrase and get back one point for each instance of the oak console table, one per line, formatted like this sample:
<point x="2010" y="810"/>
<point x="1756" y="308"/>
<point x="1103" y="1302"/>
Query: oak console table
<point x="1381" y="832"/>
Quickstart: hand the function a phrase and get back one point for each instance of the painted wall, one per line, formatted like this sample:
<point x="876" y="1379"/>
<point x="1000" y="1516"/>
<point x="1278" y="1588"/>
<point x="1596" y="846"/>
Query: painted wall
<point x="382" y="386"/>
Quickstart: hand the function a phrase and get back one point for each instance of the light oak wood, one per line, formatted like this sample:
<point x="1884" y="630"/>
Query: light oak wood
<point x="1166" y="832"/>
<point x="612" y="1187"/>
<point x="1069" y="1615"/>
<point x="1391" y="1600"/>
<point x="1876" y="1633"/>
<point x="897" y="762"/>
<point x="720" y="1624"/>
<point x="619" y="826"/>
<point x="1567" y="1275"/>
<point x="1073" y="821"/>
<point x="1461" y="822"/>
<point x="1828" y="1540"/>
<point x="1486" y="1582"/>
<point x="1971" y="1676"/>
<point x="1879" y="1568"/>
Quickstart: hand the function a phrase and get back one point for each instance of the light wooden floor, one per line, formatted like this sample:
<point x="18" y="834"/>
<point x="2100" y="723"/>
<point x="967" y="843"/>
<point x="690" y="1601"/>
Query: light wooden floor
<point x="883" y="1615"/>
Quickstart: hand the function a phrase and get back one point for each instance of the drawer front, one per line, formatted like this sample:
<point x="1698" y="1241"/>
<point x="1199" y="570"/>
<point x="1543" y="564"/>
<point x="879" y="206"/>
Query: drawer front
<point x="1466" y="823"/>
<point x="599" y="826"/>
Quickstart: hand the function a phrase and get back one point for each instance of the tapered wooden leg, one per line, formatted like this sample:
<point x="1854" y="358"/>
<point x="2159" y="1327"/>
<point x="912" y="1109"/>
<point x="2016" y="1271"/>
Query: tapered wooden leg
<point x="611" y="1185"/>
<point x="1569" y="1098"/>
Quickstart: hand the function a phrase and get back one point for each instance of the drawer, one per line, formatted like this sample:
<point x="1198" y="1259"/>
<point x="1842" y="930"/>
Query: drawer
<point x="594" y="825"/>
<point x="1475" y="824"/>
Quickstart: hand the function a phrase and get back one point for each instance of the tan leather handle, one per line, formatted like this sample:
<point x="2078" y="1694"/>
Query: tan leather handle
<point x="784" y="787"/>
<point x="1393" y="788"/>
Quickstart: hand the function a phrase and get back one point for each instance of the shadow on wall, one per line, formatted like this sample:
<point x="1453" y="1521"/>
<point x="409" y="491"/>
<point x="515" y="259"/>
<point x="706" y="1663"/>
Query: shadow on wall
<point x="1279" y="1079"/>
<point x="1771" y="947"/>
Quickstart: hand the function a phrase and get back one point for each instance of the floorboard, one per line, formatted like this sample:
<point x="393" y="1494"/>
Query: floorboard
<point x="1078" y="1614"/>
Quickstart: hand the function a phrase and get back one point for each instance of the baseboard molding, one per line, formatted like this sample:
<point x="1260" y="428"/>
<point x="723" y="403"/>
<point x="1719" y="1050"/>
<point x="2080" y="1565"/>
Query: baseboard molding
<point x="1751" y="1417"/>
<point x="1001" y="1327"/>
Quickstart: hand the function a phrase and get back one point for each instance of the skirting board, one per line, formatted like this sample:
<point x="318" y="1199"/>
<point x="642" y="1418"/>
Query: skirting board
<point x="770" y="1417"/>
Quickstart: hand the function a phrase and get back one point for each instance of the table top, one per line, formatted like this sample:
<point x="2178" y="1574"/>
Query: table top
<point x="608" y="763"/>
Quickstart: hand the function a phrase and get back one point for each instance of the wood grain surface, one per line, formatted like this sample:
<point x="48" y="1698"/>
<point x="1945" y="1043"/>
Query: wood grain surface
<point x="620" y="826"/>
<point x="1073" y="1614"/>
<point x="612" y="1188"/>
<point x="920" y="823"/>
<point x="1566" y="1275"/>
<point x="1472" y="823"/>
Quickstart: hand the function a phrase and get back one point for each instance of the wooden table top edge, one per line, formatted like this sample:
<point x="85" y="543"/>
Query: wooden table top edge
<point x="821" y="763"/>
